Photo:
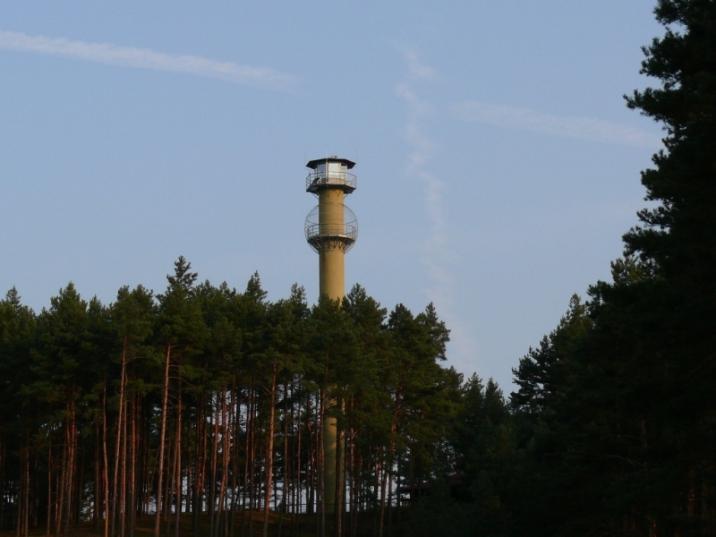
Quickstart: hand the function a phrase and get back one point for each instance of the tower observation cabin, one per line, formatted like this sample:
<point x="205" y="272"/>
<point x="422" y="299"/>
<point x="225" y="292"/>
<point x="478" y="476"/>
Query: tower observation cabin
<point x="331" y="224"/>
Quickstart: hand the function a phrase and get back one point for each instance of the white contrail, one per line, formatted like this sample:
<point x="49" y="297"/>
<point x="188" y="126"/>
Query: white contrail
<point x="416" y="67"/>
<point x="525" y="119"/>
<point x="142" y="58"/>
<point x="439" y="256"/>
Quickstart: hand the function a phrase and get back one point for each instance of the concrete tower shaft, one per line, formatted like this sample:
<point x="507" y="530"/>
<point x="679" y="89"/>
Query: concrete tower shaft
<point x="332" y="255"/>
<point x="331" y="229"/>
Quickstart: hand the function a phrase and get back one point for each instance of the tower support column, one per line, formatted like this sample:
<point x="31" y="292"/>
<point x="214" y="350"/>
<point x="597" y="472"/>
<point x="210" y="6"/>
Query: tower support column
<point x="332" y="268"/>
<point x="331" y="257"/>
<point x="331" y="230"/>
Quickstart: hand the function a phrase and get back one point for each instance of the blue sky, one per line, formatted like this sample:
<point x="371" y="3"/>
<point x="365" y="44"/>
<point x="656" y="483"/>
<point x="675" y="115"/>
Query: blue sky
<point x="498" y="166"/>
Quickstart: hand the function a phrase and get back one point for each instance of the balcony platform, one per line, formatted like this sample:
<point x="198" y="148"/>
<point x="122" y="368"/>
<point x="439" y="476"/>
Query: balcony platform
<point x="320" y="179"/>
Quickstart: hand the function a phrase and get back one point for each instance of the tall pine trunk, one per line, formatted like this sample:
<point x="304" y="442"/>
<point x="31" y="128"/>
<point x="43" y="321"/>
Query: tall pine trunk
<point x="132" y="508"/>
<point x="225" y="458"/>
<point x="178" y="479"/>
<point x="48" y="521"/>
<point x="214" y="463"/>
<point x="162" y="438"/>
<point x="123" y="489"/>
<point x="199" y="465"/>
<point x="385" y="478"/>
<point x="118" y="436"/>
<point x="340" y="488"/>
<point x="105" y="464"/>
<point x="70" y="474"/>
<point x="269" y="448"/>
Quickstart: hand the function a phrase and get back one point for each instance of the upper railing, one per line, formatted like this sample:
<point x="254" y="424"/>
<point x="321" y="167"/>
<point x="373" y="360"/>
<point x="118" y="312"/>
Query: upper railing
<point x="318" y="179"/>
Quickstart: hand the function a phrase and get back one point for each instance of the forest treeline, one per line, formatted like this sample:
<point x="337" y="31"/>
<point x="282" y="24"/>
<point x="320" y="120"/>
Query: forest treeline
<point x="199" y="410"/>
<point x="207" y="401"/>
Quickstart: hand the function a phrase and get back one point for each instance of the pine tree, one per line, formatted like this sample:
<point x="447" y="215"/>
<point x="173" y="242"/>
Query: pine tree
<point x="677" y="240"/>
<point x="181" y="331"/>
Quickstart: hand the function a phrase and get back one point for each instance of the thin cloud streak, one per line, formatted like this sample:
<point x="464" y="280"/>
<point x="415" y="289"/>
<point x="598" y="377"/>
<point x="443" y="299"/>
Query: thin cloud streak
<point x="438" y="255"/>
<point x="581" y="128"/>
<point x="416" y="67"/>
<point x="141" y="58"/>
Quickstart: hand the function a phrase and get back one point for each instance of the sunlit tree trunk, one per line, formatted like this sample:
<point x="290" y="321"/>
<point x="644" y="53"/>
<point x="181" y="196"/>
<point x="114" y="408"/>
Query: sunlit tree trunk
<point x="224" y="463"/>
<point x="269" y="448"/>
<point x="311" y="457"/>
<point x="97" y="483"/>
<point x="162" y="437"/>
<point x="253" y="480"/>
<point x="199" y="468"/>
<point x="340" y="474"/>
<point x="48" y="521"/>
<point x="247" y="427"/>
<point x="118" y="436"/>
<point x="321" y="462"/>
<point x="286" y="462"/>
<point x="177" y="462"/>
<point x="133" y="470"/>
<point x="105" y="464"/>
<point x="62" y="479"/>
<point x="123" y="489"/>
<point x="236" y="428"/>
<point x="70" y="468"/>
<point x="297" y="485"/>
<point x="214" y="464"/>
<point x="387" y="464"/>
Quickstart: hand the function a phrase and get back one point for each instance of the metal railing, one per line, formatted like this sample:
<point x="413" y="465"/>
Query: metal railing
<point x="317" y="179"/>
<point x="317" y="232"/>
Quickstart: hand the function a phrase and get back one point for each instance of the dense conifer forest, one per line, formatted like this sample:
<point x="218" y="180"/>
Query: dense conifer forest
<point x="198" y="410"/>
